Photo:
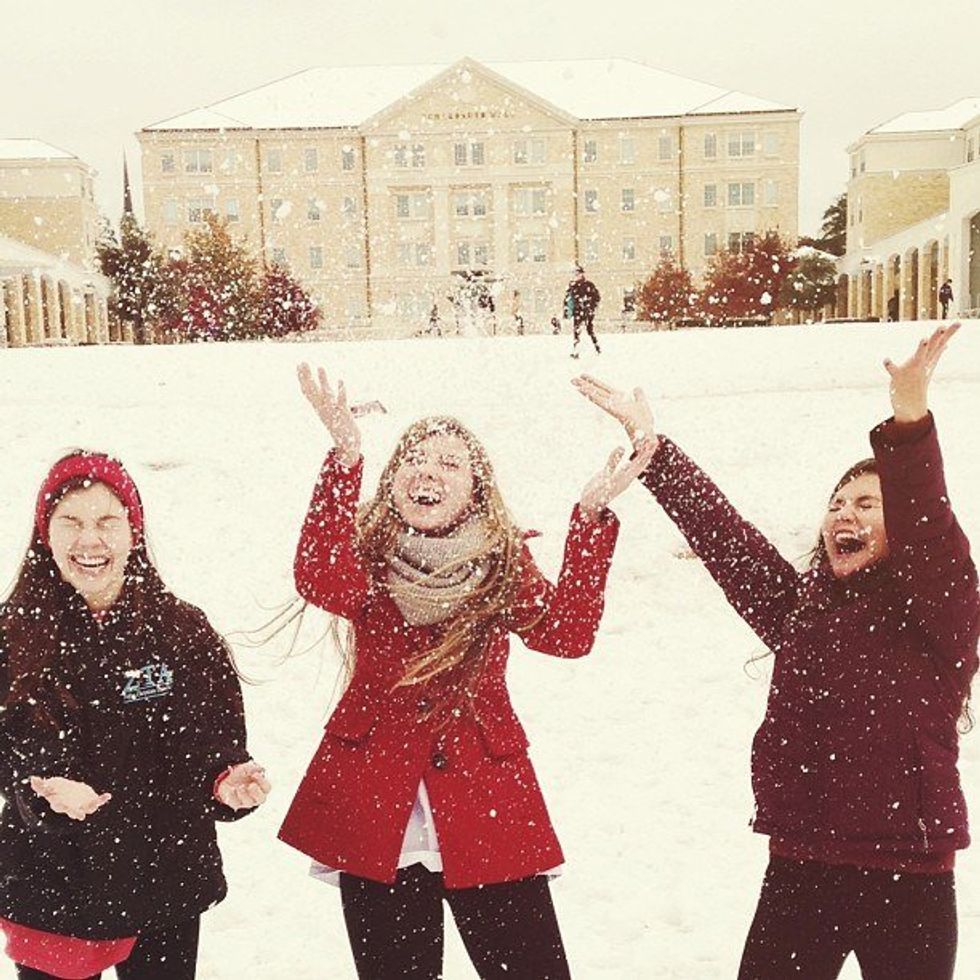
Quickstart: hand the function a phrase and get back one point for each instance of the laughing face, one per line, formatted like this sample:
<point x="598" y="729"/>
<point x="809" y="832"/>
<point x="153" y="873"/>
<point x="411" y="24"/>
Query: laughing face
<point x="433" y="484"/>
<point x="91" y="539"/>
<point x="853" y="531"/>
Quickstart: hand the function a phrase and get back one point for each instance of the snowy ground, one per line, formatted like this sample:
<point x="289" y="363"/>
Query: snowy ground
<point x="642" y="748"/>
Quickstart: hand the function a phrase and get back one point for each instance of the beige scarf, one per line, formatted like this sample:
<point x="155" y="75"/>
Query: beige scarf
<point x="429" y="578"/>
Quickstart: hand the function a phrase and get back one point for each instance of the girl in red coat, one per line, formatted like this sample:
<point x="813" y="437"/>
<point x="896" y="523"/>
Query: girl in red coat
<point x="854" y="767"/>
<point x="421" y="789"/>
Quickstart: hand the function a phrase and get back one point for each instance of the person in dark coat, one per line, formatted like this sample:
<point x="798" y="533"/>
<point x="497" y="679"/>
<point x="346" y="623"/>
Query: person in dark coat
<point x="893" y="306"/>
<point x="946" y="296"/>
<point x="581" y="302"/>
<point x="854" y="768"/>
<point x="122" y="741"/>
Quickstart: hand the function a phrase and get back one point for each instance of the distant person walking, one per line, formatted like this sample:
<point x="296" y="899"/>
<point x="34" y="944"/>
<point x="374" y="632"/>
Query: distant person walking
<point x="946" y="296"/>
<point x="893" y="308"/>
<point x="581" y="301"/>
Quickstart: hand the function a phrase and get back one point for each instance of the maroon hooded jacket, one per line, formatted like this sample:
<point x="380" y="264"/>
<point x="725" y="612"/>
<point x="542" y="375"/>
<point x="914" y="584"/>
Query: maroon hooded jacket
<point x="855" y="761"/>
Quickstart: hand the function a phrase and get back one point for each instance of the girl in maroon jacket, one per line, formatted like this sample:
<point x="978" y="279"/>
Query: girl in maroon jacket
<point x="854" y="767"/>
<point x="421" y="789"/>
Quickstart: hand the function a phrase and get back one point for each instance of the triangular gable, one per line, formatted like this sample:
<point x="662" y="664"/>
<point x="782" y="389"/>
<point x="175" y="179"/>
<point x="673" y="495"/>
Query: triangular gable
<point x="471" y="87"/>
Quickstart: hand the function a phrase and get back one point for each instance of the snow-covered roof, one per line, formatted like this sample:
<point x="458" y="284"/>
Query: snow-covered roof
<point x="27" y="149"/>
<point x="954" y="116"/>
<point x="17" y="257"/>
<point x="587" y="89"/>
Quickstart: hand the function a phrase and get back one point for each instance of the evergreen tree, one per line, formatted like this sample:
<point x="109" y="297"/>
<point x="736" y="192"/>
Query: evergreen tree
<point x="667" y="295"/>
<point x="133" y="265"/>
<point x="811" y="283"/>
<point x="833" y="231"/>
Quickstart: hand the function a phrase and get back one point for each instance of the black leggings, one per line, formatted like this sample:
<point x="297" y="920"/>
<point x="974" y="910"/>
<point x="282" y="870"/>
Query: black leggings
<point x="812" y="915"/>
<point x="589" y="328"/>
<point x="166" y="954"/>
<point x="510" y="930"/>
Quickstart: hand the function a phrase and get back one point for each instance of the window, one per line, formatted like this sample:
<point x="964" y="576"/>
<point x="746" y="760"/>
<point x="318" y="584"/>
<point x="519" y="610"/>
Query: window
<point x="414" y="253"/>
<point x="198" y="162"/>
<point x="313" y="209"/>
<point x="740" y="241"/>
<point x="231" y="209"/>
<point x="348" y="207"/>
<point x="463" y="254"/>
<point x="628" y="199"/>
<point x="170" y="211"/>
<point x="418" y="155"/>
<point x="861" y="161"/>
<point x="273" y="161"/>
<point x="664" y="201"/>
<point x="470" y="203"/>
<point x="969" y="151"/>
<point x="423" y="253"/>
<point x="627" y="149"/>
<point x="532" y="250"/>
<point x="415" y="206"/>
<point x="666" y="244"/>
<point x="400" y="155"/>
<point x="741" y="195"/>
<point x="770" y="144"/>
<point x="311" y="161"/>
<point x="278" y="209"/>
<point x="529" y="201"/>
<point x="198" y="209"/>
<point x="710" y="244"/>
<point x="771" y="193"/>
<point x="629" y="299"/>
<point x="230" y="162"/>
<point x="590" y="152"/>
<point x="347" y="158"/>
<point x="592" y="201"/>
<point x="741" y="144"/>
<point x="167" y="164"/>
<point x="468" y="154"/>
<point x="854" y="166"/>
<point x="352" y="257"/>
<point x="529" y="151"/>
<point x="629" y="249"/>
<point x="279" y="257"/>
<point x="481" y="253"/>
<point x="710" y="146"/>
<point x="592" y="249"/>
<point x="665" y="148"/>
<point x="316" y="257"/>
<point x="710" y="195"/>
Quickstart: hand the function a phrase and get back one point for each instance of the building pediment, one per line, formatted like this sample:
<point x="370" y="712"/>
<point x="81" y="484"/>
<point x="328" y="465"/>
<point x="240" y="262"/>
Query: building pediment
<point x="465" y="95"/>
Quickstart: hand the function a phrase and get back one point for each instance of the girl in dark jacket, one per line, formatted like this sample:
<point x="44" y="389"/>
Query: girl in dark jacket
<point x="122" y="741"/>
<point x="854" y="767"/>
<point x="421" y="790"/>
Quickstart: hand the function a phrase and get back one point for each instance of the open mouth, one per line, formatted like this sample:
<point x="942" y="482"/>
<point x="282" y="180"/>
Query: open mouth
<point x="426" y="496"/>
<point x="848" y="542"/>
<point x="89" y="565"/>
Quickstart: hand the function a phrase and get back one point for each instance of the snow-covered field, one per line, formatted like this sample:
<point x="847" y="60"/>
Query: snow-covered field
<point x="643" y="747"/>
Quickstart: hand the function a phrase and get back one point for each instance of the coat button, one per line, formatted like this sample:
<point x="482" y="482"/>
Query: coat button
<point x="424" y="706"/>
<point x="439" y="761"/>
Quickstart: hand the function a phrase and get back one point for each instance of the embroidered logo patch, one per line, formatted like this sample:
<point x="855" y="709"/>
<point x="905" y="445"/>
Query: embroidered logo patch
<point x="147" y="683"/>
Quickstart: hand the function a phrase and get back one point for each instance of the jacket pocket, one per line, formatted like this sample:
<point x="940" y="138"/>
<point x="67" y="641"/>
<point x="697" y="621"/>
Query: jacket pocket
<point x="352" y="719"/>
<point x="502" y="737"/>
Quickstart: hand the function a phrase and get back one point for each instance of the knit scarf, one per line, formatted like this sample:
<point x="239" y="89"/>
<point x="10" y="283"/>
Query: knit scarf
<point x="429" y="578"/>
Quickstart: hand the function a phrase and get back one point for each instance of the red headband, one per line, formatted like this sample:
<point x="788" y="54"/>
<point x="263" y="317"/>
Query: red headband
<point x="98" y="468"/>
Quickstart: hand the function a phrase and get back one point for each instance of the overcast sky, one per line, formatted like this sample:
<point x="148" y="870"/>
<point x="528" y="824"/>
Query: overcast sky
<point x="86" y="75"/>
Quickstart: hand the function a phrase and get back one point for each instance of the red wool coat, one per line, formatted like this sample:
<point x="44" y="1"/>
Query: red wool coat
<point x="352" y="807"/>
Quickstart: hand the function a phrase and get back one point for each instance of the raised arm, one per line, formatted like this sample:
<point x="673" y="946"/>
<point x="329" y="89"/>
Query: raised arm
<point x="929" y="551"/>
<point x="327" y="568"/>
<point x="757" y="581"/>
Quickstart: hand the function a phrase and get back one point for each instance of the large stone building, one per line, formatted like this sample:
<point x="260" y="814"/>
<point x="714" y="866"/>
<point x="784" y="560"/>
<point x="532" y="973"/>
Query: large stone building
<point x="476" y="188"/>
<point x="49" y="289"/>
<point x="914" y="215"/>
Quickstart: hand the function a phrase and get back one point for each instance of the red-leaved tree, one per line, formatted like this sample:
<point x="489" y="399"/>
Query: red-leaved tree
<point x="668" y="294"/>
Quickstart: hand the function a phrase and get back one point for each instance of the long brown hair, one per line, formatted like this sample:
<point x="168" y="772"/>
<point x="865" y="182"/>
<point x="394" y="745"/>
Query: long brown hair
<point x="459" y="653"/>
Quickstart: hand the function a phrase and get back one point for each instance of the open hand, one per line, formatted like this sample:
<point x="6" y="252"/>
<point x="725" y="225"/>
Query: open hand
<point x="333" y="411"/>
<point x="909" y="385"/>
<point x="244" y="787"/>
<point x="75" y="799"/>
<point x="613" y="479"/>
<point x="629" y="408"/>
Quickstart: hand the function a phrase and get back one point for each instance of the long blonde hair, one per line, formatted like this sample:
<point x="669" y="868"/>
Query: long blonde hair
<point x="459" y="654"/>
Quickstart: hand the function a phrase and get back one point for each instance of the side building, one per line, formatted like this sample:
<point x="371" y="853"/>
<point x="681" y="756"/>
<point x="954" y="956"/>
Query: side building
<point x="475" y="188"/>
<point x="50" y="291"/>
<point x="913" y="202"/>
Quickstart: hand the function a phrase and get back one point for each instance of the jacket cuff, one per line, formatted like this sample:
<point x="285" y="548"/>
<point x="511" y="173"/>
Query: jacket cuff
<point x="890" y="433"/>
